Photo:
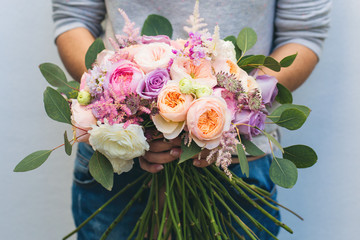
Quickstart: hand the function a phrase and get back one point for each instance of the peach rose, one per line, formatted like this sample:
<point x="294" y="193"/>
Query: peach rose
<point x="82" y="119"/>
<point x="230" y="67"/>
<point x="152" y="56"/>
<point x="202" y="74"/>
<point x="251" y="84"/>
<point x="207" y="119"/>
<point x="173" y="106"/>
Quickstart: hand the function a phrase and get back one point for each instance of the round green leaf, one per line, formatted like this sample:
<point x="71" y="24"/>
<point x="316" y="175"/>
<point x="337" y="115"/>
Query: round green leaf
<point x="302" y="156"/>
<point x="69" y="89"/>
<point x="284" y="95"/>
<point x="251" y="148"/>
<point x="283" y="172"/>
<point x="291" y="119"/>
<point x="188" y="152"/>
<point x="101" y="170"/>
<point x="246" y="39"/>
<point x="157" y="25"/>
<point x="287" y="61"/>
<point x="32" y="161"/>
<point x="56" y="107"/>
<point x="67" y="144"/>
<point x="244" y="164"/>
<point x="272" y="64"/>
<point x="256" y="60"/>
<point x="96" y="47"/>
<point x="276" y="114"/>
<point x="53" y="74"/>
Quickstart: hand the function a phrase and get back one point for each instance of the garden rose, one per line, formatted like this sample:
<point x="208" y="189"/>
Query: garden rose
<point x="267" y="85"/>
<point x="120" y="145"/>
<point x="207" y="119"/>
<point x="103" y="59"/>
<point x="252" y="118"/>
<point x="201" y="74"/>
<point x="82" y="119"/>
<point x="152" y="83"/>
<point x="229" y="98"/>
<point x="123" y="77"/>
<point x="153" y="55"/>
<point x="173" y="106"/>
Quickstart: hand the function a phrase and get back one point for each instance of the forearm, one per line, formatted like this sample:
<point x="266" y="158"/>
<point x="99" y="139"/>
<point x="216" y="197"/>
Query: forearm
<point x="72" y="46"/>
<point x="292" y="77"/>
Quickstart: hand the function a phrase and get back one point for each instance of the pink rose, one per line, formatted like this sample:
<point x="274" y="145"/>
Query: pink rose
<point x="123" y="77"/>
<point x="83" y="81"/>
<point x="201" y="74"/>
<point x="173" y="106"/>
<point x="229" y="98"/>
<point x="207" y="119"/>
<point x="153" y="55"/>
<point x="82" y="120"/>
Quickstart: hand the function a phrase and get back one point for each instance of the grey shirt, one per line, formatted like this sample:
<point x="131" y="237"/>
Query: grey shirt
<point x="275" y="22"/>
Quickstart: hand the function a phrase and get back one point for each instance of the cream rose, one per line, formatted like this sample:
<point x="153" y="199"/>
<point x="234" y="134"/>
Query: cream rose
<point x="152" y="56"/>
<point x="120" y="145"/>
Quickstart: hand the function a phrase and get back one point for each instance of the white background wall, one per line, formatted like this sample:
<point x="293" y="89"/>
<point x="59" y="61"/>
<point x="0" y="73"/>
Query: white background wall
<point x="36" y="205"/>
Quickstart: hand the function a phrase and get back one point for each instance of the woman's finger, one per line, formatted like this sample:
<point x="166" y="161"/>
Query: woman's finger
<point x="200" y="163"/>
<point x="150" y="167"/>
<point x="162" y="157"/>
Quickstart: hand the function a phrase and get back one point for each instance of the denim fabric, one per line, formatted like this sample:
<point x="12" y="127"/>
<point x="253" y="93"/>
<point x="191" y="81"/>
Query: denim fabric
<point x="88" y="196"/>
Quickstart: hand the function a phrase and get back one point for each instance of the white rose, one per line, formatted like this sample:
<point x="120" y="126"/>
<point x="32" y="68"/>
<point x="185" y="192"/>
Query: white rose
<point x="119" y="145"/>
<point x="153" y="55"/>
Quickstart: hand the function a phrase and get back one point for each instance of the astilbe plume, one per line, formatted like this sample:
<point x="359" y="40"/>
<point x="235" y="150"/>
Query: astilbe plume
<point x="196" y="23"/>
<point x="131" y="34"/>
<point x="223" y="154"/>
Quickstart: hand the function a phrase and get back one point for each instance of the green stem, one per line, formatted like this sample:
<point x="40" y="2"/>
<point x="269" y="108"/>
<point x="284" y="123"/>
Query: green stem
<point x="107" y="203"/>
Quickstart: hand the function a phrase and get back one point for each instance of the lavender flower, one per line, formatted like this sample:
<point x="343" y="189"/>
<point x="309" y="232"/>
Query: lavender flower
<point x="152" y="83"/>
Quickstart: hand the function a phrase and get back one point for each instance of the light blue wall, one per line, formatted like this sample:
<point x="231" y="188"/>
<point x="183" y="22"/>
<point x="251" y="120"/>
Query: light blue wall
<point x="36" y="205"/>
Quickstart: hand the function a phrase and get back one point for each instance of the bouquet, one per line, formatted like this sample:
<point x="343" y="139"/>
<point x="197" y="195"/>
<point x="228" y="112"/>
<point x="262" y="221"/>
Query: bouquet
<point x="202" y="89"/>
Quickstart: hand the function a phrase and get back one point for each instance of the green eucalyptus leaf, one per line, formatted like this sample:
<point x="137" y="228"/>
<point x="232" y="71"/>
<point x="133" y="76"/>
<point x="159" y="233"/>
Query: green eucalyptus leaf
<point x="273" y="140"/>
<point x="251" y="148"/>
<point x="101" y="170"/>
<point x="56" y="107"/>
<point x="284" y="95"/>
<point x="157" y="25"/>
<point x="69" y="89"/>
<point x="246" y="39"/>
<point x="287" y="61"/>
<point x="188" y="152"/>
<point x="53" y="74"/>
<point x="244" y="164"/>
<point x="291" y="119"/>
<point x="256" y="60"/>
<point x="237" y="49"/>
<point x="301" y="155"/>
<point x="32" y="161"/>
<point x="283" y="172"/>
<point x="272" y="64"/>
<point x="96" y="47"/>
<point x="67" y="144"/>
<point x="276" y="114"/>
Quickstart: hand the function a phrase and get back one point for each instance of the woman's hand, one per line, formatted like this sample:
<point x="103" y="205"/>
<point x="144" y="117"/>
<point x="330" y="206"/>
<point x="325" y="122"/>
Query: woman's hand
<point x="161" y="151"/>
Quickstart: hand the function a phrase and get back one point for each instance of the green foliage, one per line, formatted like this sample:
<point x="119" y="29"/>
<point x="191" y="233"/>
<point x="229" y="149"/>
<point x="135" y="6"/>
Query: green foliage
<point x="302" y="156"/>
<point x="96" y="47"/>
<point x="273" y="140"/>
<point x="56" y="107"/>
<point x="69" y="90"/>
<point x="68" y="146"/>
<point x="290" y="116"/>
<point x="272" y="64"/>
<point x="244" y="164"/>
<point x="53" y="74"/>
<point x="188" y="152"/>
<point x="233" y="40"/>
<point x="254" y="60"/>
<point x="246" y="39"/>
<point x="284" y="95"/>
<point x="101" y="170"/>
<point x="283" y="172"/>
<point x="157" y="25"/>
<point x="32" y="161"/>
<point x="251" y="148"/>
<point x="287" y="61"/>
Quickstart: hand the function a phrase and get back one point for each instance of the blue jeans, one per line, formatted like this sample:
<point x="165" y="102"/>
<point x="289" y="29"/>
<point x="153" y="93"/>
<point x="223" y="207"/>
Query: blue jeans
<point x="88" y="196"/>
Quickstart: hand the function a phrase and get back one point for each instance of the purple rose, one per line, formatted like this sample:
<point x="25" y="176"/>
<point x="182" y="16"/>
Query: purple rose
<point x="152" y="39"/>
<point x="267" y="85"/>
<point x="152" y="83"/>
<point x="252" y="118"/>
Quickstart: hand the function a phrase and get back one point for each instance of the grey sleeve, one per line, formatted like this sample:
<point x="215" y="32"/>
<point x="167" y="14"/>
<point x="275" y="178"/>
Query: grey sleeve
<point x="302" y="21"/>
<point x="69" y="14"/>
